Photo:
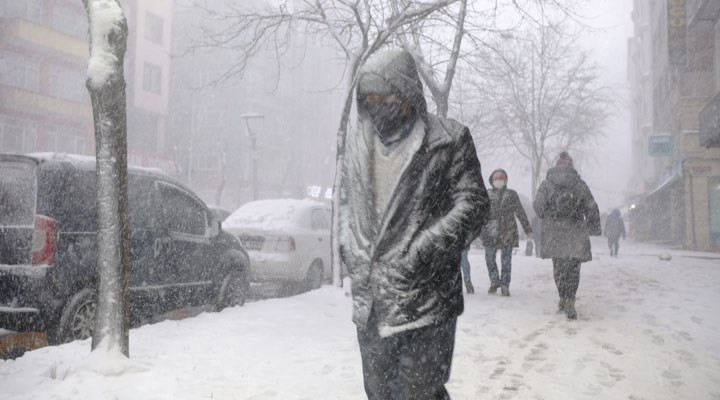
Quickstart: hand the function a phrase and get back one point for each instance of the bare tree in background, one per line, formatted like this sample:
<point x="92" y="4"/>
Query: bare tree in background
<point x="539" y="94"/>
<point x="106" y="84"/>
<point x="358" y="28"/>
<point x="447" y="40"/>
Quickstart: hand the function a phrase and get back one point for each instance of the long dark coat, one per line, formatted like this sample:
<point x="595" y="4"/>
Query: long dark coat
<point x="405" y="264"/>
<point x="566" y="236"/>
<point x="505" y="206"/>
<point x="614" y="226"/>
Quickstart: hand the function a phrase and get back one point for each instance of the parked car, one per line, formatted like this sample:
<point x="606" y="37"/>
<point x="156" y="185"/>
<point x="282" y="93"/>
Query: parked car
<point x="287" y="240"/>
<point x="219" y="212"/>
<point x="179" y="255"/>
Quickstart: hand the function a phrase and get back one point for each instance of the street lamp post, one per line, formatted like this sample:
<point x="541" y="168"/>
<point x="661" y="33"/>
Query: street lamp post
<point x="253" y="149"/>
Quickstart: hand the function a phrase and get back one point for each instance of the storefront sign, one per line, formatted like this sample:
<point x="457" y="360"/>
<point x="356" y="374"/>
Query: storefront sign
<point x="660" y="145"/>
<point x="677" y="32"/>
<point x="710" y="123"/>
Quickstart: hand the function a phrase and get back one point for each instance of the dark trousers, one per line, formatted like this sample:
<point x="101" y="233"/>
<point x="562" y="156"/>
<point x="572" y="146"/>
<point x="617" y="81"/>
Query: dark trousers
<point x="413" y="365"/>
<point x="614" y="245"/>
<point x="567" y="276"/>
<point x="465" y="266"/>
<point x="506" y="264"/>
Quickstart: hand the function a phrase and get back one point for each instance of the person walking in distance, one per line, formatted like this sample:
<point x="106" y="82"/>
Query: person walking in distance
<point x="500" y="233"/>
<point x="569" y="216"/>
<point x="411" y="201"/>
<point x="614" y="229"/>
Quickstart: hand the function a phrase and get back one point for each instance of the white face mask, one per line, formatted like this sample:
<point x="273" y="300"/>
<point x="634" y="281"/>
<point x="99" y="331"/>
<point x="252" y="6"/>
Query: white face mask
<point x="498" y="184"/>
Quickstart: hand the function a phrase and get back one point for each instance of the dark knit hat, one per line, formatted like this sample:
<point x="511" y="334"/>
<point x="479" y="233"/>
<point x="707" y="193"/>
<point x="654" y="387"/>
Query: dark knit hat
<point x="501" y="173"/>
<point x="564" y="159"/>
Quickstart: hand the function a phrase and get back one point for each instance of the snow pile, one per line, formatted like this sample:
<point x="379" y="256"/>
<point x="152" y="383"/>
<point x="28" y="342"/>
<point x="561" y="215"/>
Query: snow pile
<point x="647" y="329"/>
<point x="106" y="16"/>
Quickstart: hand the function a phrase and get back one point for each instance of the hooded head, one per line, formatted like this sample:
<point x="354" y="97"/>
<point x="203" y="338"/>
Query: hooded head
<point x="564" y="159"/>
<point x="498" y="179"/>
<point x="390" y="94"/>
<point x="615" y="214"/>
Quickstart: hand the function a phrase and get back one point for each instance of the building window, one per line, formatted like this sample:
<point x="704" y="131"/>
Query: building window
<point x="153" y="28"/>
<point x="64" y="139"/>
<point x="30" y="10"/>
<point x="152" y="75"/>
<point x="19" y="71"/>
<point x="17" y="136"/>
<point x="69" y="22"/>
<point x="67" y="84"/>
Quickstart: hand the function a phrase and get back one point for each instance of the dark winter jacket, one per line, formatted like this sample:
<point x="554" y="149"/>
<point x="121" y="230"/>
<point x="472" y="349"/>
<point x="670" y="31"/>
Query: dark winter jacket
<point x="614" y="226"/>
<point x="405" y="264"/>
<point x="500" y="231"/>
<point x="566" y="234"/>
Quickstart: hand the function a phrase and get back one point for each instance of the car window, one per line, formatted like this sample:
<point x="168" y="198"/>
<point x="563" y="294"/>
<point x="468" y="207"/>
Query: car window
<point x="181" y="212"/>
<point x="319" y="219"/>
<point x="141" y="205"/>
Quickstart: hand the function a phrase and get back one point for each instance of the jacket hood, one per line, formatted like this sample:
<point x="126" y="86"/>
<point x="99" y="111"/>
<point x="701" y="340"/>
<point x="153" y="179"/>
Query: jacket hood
<point x="615" y="214"/>
<point x="490" y="179"/>
<point x="392" y="72"/>
<point x="563" y="175"/>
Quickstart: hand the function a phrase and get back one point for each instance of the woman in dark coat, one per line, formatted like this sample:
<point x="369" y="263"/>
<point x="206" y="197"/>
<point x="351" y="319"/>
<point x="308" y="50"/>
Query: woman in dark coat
<point x="614" y="229"/>
<point x="569" y="216"/>
<point x="500" y="233"/>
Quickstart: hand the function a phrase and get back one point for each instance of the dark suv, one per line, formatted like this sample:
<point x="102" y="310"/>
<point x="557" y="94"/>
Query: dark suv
<point x="179" y="255"/>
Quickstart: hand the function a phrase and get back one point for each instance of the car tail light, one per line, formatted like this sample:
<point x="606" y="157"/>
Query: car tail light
<point x="286" y="244"/>
<point x="44" y="241"/>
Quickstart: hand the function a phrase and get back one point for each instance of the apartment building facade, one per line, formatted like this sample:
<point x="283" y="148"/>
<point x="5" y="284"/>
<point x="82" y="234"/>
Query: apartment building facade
<point x="673" y="74"/>
<point x="44" y="105"/>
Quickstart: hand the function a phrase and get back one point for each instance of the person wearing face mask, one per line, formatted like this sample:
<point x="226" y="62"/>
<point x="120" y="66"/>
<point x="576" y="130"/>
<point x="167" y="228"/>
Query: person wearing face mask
<point x="500" y="233"/>
<point x="411" y="199"/>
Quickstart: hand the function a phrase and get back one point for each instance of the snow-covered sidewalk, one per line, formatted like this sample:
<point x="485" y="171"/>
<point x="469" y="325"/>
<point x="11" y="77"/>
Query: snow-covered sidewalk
<point x="647" y="329"/>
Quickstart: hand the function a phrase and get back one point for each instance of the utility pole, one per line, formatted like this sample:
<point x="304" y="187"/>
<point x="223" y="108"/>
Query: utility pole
<point x="253" y="149"/>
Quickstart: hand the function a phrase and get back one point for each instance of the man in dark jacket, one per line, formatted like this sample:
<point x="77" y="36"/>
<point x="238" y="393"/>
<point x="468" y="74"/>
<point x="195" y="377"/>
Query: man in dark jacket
<point x="614" y="229"/>
<point x="411" y="200"/>
<point x="569" y="216"/>
<point x="500" y="233"/>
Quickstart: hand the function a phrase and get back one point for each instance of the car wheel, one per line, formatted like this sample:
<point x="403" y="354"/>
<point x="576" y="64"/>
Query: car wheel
<point x="314" y="277"/>
<point x="78" y="318"/>
<point x="233" y="291"/>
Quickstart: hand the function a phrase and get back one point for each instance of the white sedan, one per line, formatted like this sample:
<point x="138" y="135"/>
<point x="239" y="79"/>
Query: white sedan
<point x="287" y="240"/>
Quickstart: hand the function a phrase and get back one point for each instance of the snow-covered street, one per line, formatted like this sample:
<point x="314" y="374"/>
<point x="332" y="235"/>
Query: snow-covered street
<point x="647" y="329"/>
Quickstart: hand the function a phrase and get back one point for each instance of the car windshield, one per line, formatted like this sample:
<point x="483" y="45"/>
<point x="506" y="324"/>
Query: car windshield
<point x="17" y="193"/>
<point x="268" y="215"/>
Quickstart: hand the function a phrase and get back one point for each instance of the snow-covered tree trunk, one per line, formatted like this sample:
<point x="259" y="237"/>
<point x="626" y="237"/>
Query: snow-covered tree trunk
<point x="106" y="84"/>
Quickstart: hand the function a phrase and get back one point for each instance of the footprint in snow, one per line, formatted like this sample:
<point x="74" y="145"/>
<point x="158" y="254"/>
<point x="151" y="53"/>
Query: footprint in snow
<point x="673" y="377"/>
<point x="656" y="339"/>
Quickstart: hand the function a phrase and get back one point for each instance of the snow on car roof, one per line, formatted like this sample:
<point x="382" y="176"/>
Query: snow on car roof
<point x="269" y="214"/>
<point x="86" y="161"/>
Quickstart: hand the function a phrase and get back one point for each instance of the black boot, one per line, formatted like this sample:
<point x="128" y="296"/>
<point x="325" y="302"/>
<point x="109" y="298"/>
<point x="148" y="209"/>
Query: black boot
<point x="469" y="287"/>
<point x="570" y="308"/>
<point x="561" y="305"/>
<point x="493" y="288"/>
<point x="505" y="290"/>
